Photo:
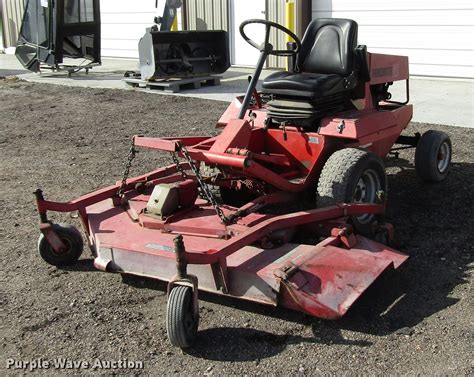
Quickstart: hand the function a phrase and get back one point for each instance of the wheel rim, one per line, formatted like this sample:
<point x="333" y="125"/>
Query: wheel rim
<point x="366" y="192"/>
<point x="444" y="157"/>
<point x="67" y="251"/>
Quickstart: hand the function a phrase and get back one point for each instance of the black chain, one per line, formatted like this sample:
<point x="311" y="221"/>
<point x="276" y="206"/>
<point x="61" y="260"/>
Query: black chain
<point x="178" y="165"/>
<point x="130" y="157"/>
<point x="203" y="187"/>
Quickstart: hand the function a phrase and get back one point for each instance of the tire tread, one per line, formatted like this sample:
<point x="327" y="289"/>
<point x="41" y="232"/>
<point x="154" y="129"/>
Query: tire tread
<point x="425" y="163"/>
<point x="77" y="242"/>
<point x="176" y="315"/>
<point x="337" y="176"/>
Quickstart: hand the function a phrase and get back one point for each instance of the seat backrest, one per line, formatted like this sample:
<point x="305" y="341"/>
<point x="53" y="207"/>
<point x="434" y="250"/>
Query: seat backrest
<point x="328" y="47"/>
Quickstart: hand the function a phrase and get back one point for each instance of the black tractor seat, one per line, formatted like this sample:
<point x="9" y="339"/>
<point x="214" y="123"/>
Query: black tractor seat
<point x="324" y="75"/>
<point x="307" y="85"/>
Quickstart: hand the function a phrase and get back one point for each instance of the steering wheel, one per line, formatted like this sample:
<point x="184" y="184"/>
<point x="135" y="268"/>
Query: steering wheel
<point x="266" y="47"/>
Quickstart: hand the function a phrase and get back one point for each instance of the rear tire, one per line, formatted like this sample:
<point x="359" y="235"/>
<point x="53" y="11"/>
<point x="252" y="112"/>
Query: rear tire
<point x="433" y="156"/>
<point x="353" y="175"/>
<point x="181" y="322"/>
<point x="71" y="237"/>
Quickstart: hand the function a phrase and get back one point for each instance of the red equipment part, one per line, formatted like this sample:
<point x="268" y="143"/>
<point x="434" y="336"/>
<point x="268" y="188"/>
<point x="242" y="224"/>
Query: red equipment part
<point x="222" y="256"/>
<point x="251" y="251"/>
<point x="322" y="280"/>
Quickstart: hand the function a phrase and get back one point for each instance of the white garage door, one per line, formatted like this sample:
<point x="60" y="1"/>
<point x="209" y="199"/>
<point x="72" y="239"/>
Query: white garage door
<point x="437" y="35"/>
<point x="124" y="23"/>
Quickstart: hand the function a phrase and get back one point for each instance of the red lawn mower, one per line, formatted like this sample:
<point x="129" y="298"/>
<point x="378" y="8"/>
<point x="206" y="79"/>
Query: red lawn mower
<point x="284" y="207"/>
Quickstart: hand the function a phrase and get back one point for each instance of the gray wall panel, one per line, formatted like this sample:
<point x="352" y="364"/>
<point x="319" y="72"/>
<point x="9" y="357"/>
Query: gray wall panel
<point x="12" y="14"/>
<point x="276" y="13"/>
<point x="207" y="14"/>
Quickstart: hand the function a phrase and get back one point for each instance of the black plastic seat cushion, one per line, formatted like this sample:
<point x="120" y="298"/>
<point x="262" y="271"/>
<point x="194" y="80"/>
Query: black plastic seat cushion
<point x="324" y="63"/>
<point x="306" y="84"/>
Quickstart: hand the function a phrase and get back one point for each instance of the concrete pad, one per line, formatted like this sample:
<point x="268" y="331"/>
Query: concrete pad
<point x="438" y="101"/>
<point x="10" y="66"/>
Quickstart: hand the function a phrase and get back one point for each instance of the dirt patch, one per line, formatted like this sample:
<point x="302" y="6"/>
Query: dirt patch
<point x="70" y="141"/>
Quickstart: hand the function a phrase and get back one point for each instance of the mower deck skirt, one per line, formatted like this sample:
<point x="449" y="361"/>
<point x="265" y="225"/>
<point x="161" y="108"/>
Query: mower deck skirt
<point x="325" y="279"/>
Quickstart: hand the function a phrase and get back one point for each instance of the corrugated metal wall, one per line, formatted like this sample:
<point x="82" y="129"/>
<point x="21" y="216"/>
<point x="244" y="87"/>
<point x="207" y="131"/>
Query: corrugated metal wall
<point x="276" y="13"/>
<point x="207" y="14"/>
<point x="12" y="14"/>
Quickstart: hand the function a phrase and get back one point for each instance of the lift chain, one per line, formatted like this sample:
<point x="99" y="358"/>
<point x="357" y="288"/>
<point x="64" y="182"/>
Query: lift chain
<point x="131" y="156"/>
<point x="203" y="187"/>
<point x="179" y="168"/>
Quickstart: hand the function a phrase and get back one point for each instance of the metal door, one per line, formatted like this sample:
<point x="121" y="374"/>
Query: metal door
<point x="242" y="53"/>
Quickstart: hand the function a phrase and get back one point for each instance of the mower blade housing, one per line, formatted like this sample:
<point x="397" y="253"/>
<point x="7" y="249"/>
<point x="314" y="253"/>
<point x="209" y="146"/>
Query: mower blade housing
<point x="322" y="280"/>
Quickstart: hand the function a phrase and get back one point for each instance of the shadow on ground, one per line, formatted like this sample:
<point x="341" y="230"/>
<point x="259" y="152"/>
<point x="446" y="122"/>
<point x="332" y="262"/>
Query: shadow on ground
<point x="12" y="72"/>
<point x="246" y="344"/>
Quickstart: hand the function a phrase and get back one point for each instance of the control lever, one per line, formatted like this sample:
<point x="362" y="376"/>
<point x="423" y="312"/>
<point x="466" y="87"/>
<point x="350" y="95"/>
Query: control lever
<point x="255" y="94"/>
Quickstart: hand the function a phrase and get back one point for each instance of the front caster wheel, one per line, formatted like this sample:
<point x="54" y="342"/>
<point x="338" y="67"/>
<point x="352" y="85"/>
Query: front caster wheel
<point x="181" y="321"/>
<point x="433" y="156"/>
<point x="71" y="237"/>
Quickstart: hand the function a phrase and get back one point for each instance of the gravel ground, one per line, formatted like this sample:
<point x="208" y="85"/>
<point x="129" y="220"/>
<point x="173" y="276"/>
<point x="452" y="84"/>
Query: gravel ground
<point x="70" y="141"/>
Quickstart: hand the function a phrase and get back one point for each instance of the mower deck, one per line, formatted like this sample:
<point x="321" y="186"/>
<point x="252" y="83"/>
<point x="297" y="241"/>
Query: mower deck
<point x="322" y="280"/>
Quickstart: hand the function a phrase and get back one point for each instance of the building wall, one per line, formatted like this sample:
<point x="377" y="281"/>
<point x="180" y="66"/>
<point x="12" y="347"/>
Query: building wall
<point x="276" y="13"/>
<point x="207" y="14"/>
<point x="12" y="14"/>
<point x="437" y="36"/>
<point x="123" y="23"/>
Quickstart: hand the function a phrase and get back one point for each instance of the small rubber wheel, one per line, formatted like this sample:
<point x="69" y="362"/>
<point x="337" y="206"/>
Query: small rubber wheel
<point x="433" y="156"/>
<point x="181" y="322"/>
<point x="71" y="237"/>
<point x="353" y="175"/>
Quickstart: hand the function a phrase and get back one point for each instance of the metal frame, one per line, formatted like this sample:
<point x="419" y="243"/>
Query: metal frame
<point x="322" y="279"/>
<point x="52" y="56"/>
<point x="217" y="257"/>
